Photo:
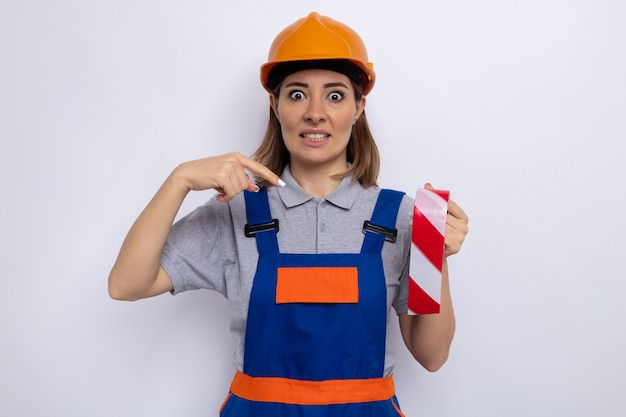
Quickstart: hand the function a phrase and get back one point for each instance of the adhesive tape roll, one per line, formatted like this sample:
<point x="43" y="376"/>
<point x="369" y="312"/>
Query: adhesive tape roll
<point x="429" y="223"/>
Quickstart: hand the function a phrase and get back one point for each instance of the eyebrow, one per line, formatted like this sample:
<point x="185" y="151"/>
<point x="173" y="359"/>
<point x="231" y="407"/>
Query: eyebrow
<point x="305" y="85"/>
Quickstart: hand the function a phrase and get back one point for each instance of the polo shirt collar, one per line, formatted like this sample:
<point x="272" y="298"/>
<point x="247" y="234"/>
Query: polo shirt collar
<point x="293" y="195"/>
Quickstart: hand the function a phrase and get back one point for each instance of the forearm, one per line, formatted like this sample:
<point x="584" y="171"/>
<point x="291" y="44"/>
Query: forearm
<point x="429" y="336"/>
<point x="135" y="271"/>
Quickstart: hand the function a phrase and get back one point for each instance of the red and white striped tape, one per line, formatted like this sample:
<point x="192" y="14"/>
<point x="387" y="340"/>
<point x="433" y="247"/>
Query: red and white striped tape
<point x="429" y="223"/>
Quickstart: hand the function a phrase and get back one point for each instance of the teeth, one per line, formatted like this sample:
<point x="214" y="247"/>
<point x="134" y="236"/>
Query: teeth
<point x="315" y="136"/>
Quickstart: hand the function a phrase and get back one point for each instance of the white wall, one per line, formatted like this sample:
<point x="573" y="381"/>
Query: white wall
<point x="518" y="107"/>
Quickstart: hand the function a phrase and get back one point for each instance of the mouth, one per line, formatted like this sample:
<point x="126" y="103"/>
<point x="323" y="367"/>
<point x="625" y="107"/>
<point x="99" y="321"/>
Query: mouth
<point x="315" y="137"/>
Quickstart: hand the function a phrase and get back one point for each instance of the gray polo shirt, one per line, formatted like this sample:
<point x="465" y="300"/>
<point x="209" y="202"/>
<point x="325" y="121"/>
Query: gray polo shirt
<point x="207" y="249"/>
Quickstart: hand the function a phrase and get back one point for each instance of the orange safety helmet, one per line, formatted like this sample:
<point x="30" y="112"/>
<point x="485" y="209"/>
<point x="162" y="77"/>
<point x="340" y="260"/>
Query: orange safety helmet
<point x="318" y="38"/>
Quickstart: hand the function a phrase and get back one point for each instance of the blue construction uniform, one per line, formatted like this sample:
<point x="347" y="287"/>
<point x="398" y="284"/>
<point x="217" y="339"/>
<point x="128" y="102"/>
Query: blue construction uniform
<point x="316" y="328"/>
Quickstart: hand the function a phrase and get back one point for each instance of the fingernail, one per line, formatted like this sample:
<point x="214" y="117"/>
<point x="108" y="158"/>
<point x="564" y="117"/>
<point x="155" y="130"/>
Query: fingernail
<point x="257" y="188"/>
<point x="281" y="182"/>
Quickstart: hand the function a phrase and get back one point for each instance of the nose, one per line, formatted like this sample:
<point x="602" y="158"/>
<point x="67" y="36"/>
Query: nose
<point x="315" y="112"/>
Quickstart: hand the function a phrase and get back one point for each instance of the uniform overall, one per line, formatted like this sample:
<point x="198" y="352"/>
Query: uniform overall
<point x="316" y="329"/>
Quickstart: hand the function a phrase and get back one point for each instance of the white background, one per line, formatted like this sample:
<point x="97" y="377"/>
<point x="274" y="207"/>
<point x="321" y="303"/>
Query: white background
<point x="517" y="107"/>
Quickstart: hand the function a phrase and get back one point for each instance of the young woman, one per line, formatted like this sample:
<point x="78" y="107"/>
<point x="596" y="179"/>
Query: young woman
<point x="310" y="285"/>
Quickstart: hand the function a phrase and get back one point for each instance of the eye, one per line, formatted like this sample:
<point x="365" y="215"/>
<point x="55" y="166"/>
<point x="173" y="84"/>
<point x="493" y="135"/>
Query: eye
<point x="335" y="96"/>
<point x="296" y="95"/>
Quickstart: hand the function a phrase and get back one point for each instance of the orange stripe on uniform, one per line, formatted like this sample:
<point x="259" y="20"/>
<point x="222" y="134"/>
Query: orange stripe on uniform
<point x="224" y="403"/>
<point x="400" y="413"/>
<point x="295" y="391"/>
<point x="317" y="285"/>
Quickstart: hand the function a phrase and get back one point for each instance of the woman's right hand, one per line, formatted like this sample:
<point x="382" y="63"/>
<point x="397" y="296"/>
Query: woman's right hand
<point x="137" y="272"/>
<point x="227" y="174"/>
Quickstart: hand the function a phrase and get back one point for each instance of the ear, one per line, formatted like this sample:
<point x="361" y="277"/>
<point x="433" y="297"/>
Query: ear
<point x="360" y="107"/>
<point x="274" y="105"/>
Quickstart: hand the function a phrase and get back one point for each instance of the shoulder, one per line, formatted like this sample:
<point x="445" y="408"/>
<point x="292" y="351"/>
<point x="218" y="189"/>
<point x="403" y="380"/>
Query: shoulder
<point x="372" y="193"/>
<point x="405" y="210"/>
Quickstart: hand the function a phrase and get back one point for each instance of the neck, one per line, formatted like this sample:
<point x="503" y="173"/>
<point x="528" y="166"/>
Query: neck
<point x="317" y="182"/>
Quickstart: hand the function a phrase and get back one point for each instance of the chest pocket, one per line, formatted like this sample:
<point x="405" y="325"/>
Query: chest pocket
<point x="317" y="285"/>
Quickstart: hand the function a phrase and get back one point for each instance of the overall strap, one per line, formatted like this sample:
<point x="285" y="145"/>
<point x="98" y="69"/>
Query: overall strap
<point x="381" y="227"/>
<point x="260" y="223"/>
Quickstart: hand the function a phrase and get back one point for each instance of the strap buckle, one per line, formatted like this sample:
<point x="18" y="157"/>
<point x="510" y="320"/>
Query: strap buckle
<point x="390" y="234"/>
<point x="250" y="231"/>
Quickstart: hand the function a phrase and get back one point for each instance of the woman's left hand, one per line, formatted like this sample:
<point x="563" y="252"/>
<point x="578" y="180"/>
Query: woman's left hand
<point x="456" y="227"/>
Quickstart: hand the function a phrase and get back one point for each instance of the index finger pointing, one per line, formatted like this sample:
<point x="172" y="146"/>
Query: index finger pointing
<point x="261" y="171"/>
